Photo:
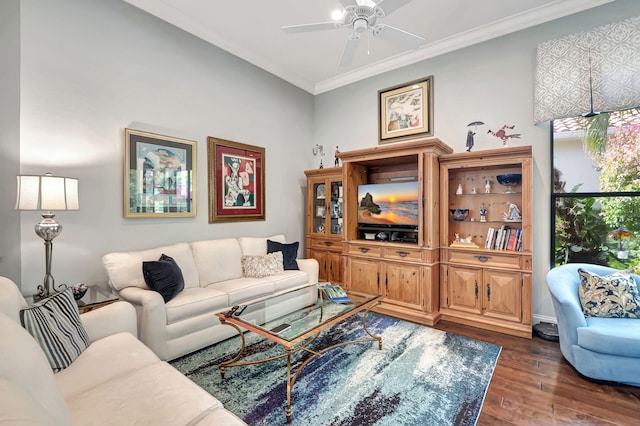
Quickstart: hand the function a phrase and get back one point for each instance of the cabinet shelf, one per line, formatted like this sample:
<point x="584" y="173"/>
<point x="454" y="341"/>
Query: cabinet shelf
<point x="490" y="194"/>
<point x="488" y="286"/>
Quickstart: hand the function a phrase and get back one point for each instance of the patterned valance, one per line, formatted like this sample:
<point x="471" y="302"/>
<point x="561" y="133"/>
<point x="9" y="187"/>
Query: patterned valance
<point x="608" y="57"/>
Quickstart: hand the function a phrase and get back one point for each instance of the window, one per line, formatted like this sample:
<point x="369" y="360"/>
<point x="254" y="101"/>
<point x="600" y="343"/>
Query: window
<point x="596" y="190"/>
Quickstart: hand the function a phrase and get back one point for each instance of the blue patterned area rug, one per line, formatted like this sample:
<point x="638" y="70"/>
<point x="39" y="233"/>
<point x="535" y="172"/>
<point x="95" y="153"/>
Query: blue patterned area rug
<point x="422" y="376"/>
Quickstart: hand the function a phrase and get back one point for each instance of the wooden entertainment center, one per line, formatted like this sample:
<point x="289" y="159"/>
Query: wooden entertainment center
<point x="411" y="262"/>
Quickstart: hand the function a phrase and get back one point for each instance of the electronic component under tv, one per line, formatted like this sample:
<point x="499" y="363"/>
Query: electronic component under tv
<point x="394" y="204"/>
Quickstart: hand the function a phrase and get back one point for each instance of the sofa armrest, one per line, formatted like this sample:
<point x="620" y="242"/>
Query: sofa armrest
<point x="152" y="318"/>
<point x="311" y="267"/>
<point x="111" y="319"/>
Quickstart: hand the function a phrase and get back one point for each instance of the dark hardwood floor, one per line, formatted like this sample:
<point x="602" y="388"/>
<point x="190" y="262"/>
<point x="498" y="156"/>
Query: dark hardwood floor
<point x="534" y="385"/>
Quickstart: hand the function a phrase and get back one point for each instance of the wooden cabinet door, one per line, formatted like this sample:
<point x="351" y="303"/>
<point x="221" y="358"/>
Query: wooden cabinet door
<point x="334" y="267"/>
<point x="502" y="295"/>
<point x="364" y="275"/>
<point x="402" y="283"/>
<point x="464" y="289"/>
<point x="321" y="257"/>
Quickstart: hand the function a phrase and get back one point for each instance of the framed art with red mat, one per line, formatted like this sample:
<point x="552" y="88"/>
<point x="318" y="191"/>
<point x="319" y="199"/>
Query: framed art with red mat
<point x="236" y="181"/>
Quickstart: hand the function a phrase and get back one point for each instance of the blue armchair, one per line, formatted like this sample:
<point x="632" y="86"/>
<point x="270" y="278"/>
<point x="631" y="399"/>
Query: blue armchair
<point x="600" y="348"/>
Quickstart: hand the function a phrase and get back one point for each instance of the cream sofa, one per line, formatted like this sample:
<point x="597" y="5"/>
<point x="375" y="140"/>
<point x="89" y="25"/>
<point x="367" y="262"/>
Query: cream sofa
<point x="213" y="282"/>
<point x="116" y="380"/>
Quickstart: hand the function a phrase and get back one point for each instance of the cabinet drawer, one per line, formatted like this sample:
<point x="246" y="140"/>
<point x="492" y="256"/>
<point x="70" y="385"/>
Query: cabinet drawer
<point x="365" y="250"/>
<point x="401" y="253"/>
<point x="325" y="244"/>
<point x="494" y="259"/>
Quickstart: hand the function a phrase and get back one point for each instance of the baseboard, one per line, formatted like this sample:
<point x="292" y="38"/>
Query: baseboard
<point x="535" y="319"/>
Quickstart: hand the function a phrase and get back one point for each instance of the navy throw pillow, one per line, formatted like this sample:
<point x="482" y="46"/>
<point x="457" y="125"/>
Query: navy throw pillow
<point x="289" y="253"/>
<point x="163" y="276"/>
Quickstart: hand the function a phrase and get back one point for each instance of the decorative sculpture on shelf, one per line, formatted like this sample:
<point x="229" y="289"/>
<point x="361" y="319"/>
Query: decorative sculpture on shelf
<point x="337" y="160"/>
<point x="512" y="214"/>
<point x="471" y="133"/>
<point x="483" y="214"/>
<point x="463" y="242"/>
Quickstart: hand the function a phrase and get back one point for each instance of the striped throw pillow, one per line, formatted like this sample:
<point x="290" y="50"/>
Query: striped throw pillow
<point x="55" y="324"/>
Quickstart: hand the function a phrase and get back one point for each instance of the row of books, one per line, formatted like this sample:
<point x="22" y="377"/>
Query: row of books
<point x="504" y="238"/>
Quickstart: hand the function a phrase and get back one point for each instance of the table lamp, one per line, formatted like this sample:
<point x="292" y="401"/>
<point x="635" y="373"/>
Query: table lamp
<point x="47" y="193"/>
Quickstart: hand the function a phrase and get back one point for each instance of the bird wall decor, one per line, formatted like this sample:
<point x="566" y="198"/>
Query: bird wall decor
<point x="503" y="136"/>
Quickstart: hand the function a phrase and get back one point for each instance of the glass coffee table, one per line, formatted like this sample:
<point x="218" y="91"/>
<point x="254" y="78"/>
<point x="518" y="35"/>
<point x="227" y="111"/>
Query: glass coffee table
<point x="297" y="330"/>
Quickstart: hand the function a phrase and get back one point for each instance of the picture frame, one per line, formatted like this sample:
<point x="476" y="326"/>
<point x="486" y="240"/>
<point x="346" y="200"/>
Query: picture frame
<point x="405" y="111"/>
<point x="236" y="173"/>
<point x="159" y="175"/>
<point x="320" y="211"/>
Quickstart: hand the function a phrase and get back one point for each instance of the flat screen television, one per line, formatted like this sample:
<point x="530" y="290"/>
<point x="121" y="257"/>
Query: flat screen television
<point x="388" y="204"/>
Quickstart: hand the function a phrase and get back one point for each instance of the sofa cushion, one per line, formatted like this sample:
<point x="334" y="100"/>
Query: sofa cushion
<point x="612" y="296"/>
<point x="156" y="394"/>
<point x="217" y="260"/>
<point x="17" y="407"/>
<point x="289" y="253"/>
<point x="196" y="301"/>
<point x="262" y="266"/>
<point x="163" y="276"/>
<point x="256" y="246"/>
<point x="55" y="324"/>
<point x="24" y="365"/>
<point x="288" y="280"/>
<point x="125" y="268"/>
<point x="117" y="355"/>
<point x="244" y="289"/>
<point x="613" y="336"/>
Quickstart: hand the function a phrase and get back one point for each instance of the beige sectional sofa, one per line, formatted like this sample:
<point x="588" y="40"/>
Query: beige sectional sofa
<point x="213" y="282"/>
<point x="116" y="380"/>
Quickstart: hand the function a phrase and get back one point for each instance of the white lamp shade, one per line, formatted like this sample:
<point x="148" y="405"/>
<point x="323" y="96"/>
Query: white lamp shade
<point x="47" y="193"/>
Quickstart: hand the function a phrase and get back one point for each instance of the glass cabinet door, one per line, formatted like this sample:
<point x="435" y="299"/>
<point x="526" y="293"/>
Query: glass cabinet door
<point x="327" y="208"/>
<point x="335" y="208"/>
<point x="319" y="212"/>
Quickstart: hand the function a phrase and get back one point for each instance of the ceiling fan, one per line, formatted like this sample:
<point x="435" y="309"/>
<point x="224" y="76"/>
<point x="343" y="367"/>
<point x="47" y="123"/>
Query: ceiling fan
<point x="360" y="16"/>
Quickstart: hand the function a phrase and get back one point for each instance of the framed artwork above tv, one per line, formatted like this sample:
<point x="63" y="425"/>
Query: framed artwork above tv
<point x="406" y="111"/>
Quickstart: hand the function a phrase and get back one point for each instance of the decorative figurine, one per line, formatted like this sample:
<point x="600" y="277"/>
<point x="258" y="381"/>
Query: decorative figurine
<point x="472" y="133"/>
<point x="487" y="186"/>
<point x="337" y="161"/>
<point x="469" y="143"/>
<point x="459" y="190"/>
<point x="483" y="214"/>
<point x="503" y="136"/>
<point x="512" y="214"/>
<point x="473" y="190"/>
<point x="463" y="242"/>
<point x="319" y="150"/>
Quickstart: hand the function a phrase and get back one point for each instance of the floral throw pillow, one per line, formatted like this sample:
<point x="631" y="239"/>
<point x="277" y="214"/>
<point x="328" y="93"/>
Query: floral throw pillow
<point x="612" y="296"/>
<point x="263" y="266"/>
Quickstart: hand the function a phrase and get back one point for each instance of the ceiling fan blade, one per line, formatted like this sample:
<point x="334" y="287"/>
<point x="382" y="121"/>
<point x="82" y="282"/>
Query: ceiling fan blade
<point x="398" y="36"/>
<point x="347" y="3"/>
<point x="390" y="6"/>
<point x="349" y="50"/>
<point x="320" y="26"/>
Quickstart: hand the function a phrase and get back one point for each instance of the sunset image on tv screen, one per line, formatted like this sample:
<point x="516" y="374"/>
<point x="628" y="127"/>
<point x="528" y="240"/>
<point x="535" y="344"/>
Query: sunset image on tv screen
<point x="388" y="203"/>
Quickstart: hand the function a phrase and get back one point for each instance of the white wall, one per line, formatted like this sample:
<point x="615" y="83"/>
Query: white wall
<point x="90" y="69"/>
<point x="491" y="82"/>
<point x="9" y="137"/>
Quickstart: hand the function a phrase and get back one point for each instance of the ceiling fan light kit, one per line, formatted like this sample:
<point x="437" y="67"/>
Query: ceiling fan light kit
<point x="360" y="16"/>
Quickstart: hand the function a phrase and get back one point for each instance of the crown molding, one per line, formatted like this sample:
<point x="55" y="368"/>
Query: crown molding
<point x="539" y="15"/>
<point x="533" y="17"/>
